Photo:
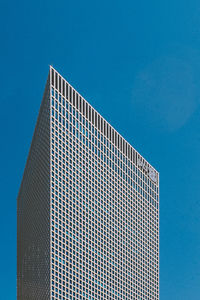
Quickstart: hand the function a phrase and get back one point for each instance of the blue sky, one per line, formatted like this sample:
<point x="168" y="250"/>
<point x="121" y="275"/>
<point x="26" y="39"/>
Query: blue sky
<point x="138" y="64"/>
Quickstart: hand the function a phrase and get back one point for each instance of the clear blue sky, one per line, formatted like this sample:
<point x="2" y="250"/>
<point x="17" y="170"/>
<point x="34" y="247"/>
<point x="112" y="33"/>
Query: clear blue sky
<point x="138" y="64"/>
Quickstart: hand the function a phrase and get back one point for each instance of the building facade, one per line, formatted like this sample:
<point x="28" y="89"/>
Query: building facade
<point x="87" y="209"/>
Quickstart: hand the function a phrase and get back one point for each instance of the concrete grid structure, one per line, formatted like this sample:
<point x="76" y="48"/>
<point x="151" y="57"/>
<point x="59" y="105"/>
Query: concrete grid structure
<point x="88" y="207"/>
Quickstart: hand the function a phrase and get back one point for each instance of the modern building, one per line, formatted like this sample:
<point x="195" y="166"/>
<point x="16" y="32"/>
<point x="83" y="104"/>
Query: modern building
<point x="87" y="209"/>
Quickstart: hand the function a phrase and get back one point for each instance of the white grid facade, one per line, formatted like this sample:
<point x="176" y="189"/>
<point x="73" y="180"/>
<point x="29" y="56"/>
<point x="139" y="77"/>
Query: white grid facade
<point x="104" y="206"/>
<point x="88" y="208"/>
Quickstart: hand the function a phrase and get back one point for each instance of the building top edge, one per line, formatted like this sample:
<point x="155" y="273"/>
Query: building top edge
<point x="142" y="160"/>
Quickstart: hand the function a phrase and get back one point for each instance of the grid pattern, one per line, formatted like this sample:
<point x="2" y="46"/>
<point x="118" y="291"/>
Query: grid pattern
<point x="104" y="206"/>
<point x="33" y="214"/>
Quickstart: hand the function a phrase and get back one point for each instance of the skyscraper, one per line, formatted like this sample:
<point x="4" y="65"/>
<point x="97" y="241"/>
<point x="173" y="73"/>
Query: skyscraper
<point x="87" y="209"/>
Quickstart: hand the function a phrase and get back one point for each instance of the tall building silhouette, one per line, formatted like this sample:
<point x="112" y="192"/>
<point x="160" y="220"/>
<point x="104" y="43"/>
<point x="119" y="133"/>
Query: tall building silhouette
<point x="87" y="209"/>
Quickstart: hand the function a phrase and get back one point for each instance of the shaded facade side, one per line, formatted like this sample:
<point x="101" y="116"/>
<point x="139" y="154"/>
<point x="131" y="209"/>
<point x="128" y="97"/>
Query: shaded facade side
<point x="33" y="214"/>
